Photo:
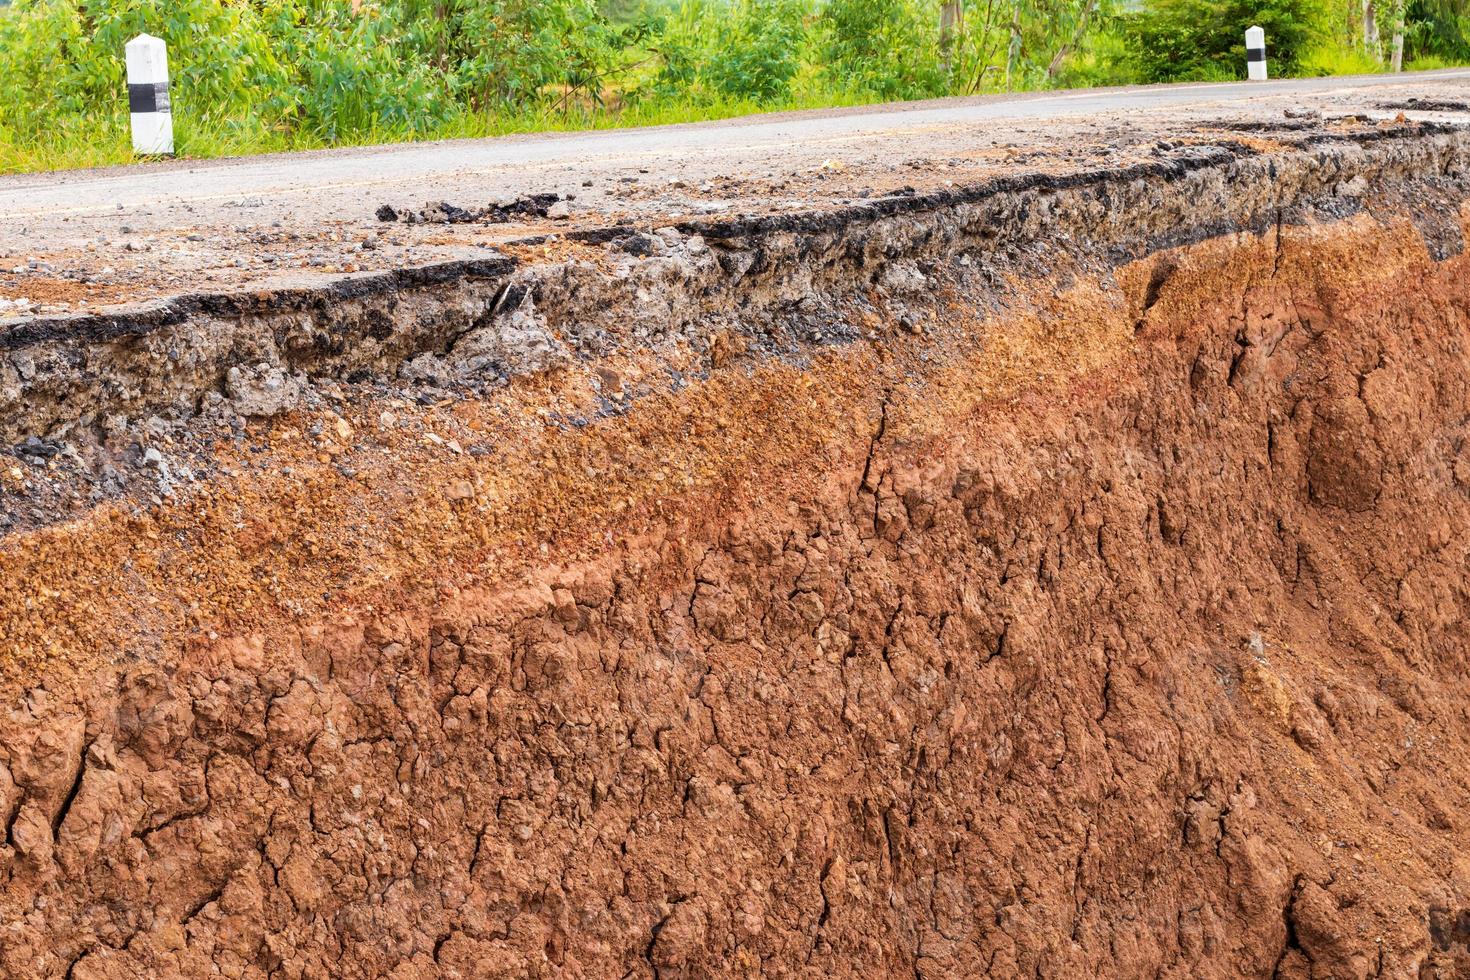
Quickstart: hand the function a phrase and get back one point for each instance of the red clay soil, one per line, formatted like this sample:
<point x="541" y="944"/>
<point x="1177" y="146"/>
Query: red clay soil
<point x="1121" y="634"/>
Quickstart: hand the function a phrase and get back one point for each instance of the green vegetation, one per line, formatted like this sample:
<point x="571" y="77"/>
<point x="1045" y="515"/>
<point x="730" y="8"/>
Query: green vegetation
<point x="1186" y="39"/>
<point x="253" y="75"/>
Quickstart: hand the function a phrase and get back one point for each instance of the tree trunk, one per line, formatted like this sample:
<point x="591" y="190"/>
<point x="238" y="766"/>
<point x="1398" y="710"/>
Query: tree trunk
<point x="951" y="16"/>
<point x="1397" y="63"/>
<point x="1062" y="52"/>
<point x="1013" y="50"/>
<point x="1371" y="43"/>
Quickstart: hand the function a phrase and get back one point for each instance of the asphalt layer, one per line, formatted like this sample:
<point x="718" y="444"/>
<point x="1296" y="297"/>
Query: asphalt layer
<point x="85" y="241"/>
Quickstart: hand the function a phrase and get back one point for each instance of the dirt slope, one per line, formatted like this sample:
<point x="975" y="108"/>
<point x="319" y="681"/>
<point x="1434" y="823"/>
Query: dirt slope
<point x="1066" y="617"/>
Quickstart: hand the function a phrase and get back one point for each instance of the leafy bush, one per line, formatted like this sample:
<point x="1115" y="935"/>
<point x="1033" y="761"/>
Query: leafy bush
<point x="64" y="57"/>
<point x="1438" y="29"/>
<point x="354" y="74"/>
<point x="760" y="54"/>
<point x="1175" y="40"/>
<point x="1103" y="62"/>
<point x="506" y="52"/>
<point x="313" y="65"/>
<point x="753" y="56"/>
<point x="887" y="48"/>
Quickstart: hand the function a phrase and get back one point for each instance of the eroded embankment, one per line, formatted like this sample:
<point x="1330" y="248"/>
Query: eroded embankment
<point x="1105" y="624"/>
<point x="472" y="322"/>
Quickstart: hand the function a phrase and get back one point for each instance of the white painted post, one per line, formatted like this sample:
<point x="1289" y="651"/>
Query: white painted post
<point x="153" y="121"/>
<point x="1255" y="54"/>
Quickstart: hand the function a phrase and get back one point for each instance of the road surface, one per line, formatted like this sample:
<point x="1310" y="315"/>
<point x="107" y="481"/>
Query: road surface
<point x="131" y="233"/>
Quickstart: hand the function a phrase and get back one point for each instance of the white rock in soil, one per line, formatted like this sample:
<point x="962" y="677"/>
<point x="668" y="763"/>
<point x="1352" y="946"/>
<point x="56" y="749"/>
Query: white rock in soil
<point x="262" y="390"/>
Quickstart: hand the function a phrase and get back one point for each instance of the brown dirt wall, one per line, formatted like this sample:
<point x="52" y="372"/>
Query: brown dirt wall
<point x="1118" y="633"/>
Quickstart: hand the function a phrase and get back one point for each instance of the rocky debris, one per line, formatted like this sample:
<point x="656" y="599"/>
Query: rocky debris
<point x="1427" y="105"/>
<point x="529" y="206"/>
<point x="156" y="461"/>
<point x="905" y="278"/>
<point x="38" y="451"/>
<point x="640" y="244"/>
<point x="445" y="213"/>
<point x="516" y="209"/>
<point x="263" y="390"/>
<point x="517" y="341"/>
<point x="427" y="368"/>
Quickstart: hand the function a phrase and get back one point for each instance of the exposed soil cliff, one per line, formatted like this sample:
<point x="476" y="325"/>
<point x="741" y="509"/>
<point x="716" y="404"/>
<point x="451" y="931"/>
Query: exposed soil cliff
<point x="1053" y="607"/>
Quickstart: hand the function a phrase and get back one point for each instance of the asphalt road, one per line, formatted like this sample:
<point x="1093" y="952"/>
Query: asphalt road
<point x="83" y="240"/>
<point x="347" y="174"/>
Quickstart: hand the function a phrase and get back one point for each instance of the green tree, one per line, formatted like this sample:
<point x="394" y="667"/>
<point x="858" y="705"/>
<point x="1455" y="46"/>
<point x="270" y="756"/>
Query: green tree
<point x="761" y="51"/>
<point x="888" y="48"/>
<point x="1204" y="39"/>
<point x="1439" y="29"/>
<point x="745" y="50"/>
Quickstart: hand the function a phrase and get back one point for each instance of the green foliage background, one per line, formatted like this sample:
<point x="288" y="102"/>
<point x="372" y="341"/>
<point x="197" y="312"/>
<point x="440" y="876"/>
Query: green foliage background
<point x="268" y="74"/>
<point x="1177" y="40"/>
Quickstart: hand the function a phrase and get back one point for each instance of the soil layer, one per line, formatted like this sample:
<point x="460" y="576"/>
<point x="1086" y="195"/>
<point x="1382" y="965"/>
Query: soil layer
<point x="1118" y="630"/>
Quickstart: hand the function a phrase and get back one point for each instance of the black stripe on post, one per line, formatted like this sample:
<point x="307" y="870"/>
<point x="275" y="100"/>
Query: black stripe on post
<point x="1255" y="54"/>
<point x="149" y="97"/>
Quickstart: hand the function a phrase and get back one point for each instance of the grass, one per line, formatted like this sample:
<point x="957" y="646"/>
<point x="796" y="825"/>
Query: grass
<point x="1429" y="64"/>
<point x="1333" y="60"/>
<point x="105" y="140"/>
